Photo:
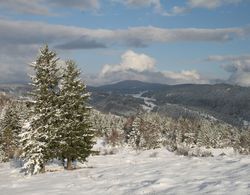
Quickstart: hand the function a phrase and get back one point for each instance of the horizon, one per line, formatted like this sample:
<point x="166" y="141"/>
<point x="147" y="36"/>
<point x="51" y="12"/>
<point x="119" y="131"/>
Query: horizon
<point x="130" y="80"/>
<point x="154" y="41"/>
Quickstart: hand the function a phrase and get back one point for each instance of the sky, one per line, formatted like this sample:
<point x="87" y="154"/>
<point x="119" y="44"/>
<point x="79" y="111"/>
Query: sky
<point x="160" y="41"/>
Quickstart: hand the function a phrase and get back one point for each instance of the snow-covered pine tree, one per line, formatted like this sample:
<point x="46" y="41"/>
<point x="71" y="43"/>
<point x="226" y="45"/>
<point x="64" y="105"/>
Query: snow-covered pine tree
<point x="2" y="154"/>
<point x="38" y="136"/>
<point x="32" y="149"/>
<point x="150" y="131"/>
<point x="75" y="132"/>
<point x="10" y="130"/>
<point x="169" y="133"/>
<point x="108" y="126"/>
<point x="134" y="136"/>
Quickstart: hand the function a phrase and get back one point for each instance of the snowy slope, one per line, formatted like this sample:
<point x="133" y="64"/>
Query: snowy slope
<point x="148" y="102"/>
<point x="128" y="172"/>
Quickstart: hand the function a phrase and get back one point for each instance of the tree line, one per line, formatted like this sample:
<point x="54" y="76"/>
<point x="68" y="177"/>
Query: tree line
<point x="57" y="123"/>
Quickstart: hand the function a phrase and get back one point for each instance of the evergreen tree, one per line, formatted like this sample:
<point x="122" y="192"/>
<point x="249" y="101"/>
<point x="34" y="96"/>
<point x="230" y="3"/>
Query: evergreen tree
<point x="33" y="149"/>
<point x="150" y="131"/>
<point x="108" y="126"/>
<point x="135" y="135"/>
<point x="38" y="139"/>
<point x="75" y="133"/>
<point x="10" y="130"/>
<point x="2" y="155"/>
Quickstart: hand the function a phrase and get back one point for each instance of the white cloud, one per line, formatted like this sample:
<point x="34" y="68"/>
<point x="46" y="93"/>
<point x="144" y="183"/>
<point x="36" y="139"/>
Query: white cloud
<point x="156" y="4"/>
<point x="237" y="66"/>
<point x="131" y="61"/>
<point x="17" y="36"/>
<point x="14" y="66"/>
<point x="135" y="66"/>
<point x="50" y="7"/>
<point x="139" y="3"/>
<point x="233" y="63"/>
<point x="240" y="78"/>
<point x="210" y="4"/>
<point x="184" y="75"/>
<point x="177" y="10"/>
<point x="77" y="4"/>
<point x="24" y="6"/>
<point x="205" y="4"/>
<point x="37" y="32"/>
<point x="164" y="77"/>
<point x="46" y="7"/>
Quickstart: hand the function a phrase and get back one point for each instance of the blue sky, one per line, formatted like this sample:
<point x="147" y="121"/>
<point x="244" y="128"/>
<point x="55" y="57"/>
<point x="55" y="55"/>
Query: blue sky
<point x="165" y="41"/>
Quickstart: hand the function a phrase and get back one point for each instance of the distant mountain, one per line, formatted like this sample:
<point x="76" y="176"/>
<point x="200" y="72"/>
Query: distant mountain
<point x="17" y="90"/>
<point x="221" y="101"/>
<point x="225" y="102"/>
<point x="128" y="87"/>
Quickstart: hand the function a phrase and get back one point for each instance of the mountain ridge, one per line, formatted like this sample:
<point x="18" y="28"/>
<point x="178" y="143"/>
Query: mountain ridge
<point x="230" y="103"/>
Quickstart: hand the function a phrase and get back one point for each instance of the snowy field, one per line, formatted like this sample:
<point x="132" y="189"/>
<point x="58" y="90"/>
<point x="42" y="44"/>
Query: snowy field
<point x="127" y="172"/>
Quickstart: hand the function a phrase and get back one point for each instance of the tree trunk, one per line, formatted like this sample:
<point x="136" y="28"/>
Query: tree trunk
<point x="42" y="168"/>
<point x="69" y="164"/>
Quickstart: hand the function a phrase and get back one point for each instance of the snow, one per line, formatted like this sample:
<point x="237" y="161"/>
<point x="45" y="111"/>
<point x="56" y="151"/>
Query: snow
<point x="148" y="102"/>
<point x="130" y="172"/>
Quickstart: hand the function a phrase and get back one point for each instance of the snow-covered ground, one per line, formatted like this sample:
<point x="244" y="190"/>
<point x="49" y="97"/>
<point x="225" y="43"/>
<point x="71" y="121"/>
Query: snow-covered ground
<point x="127" y="172"/>
<point x="148" y="102"/>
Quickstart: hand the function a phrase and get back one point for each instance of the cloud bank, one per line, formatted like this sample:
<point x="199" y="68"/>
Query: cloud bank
<point x="131" y="61"/>
<point x="46" y="7"/>
<point x="188" y="6"/>
<point x="50" y="7"/>
<point x="139" y="66"/>
<point x="237" y="66"/>
<point x="210" y="4"/>
<point x="203" y="4"/>
<point x="20" y="41"/>
<point x="24" y="32"/>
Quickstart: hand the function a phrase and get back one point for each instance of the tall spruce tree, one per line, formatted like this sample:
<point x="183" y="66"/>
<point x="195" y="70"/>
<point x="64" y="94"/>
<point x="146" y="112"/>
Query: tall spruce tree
<point x="75" y="133"/>
<point x="39" y="133"/>
<point x="10" y="130"/>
